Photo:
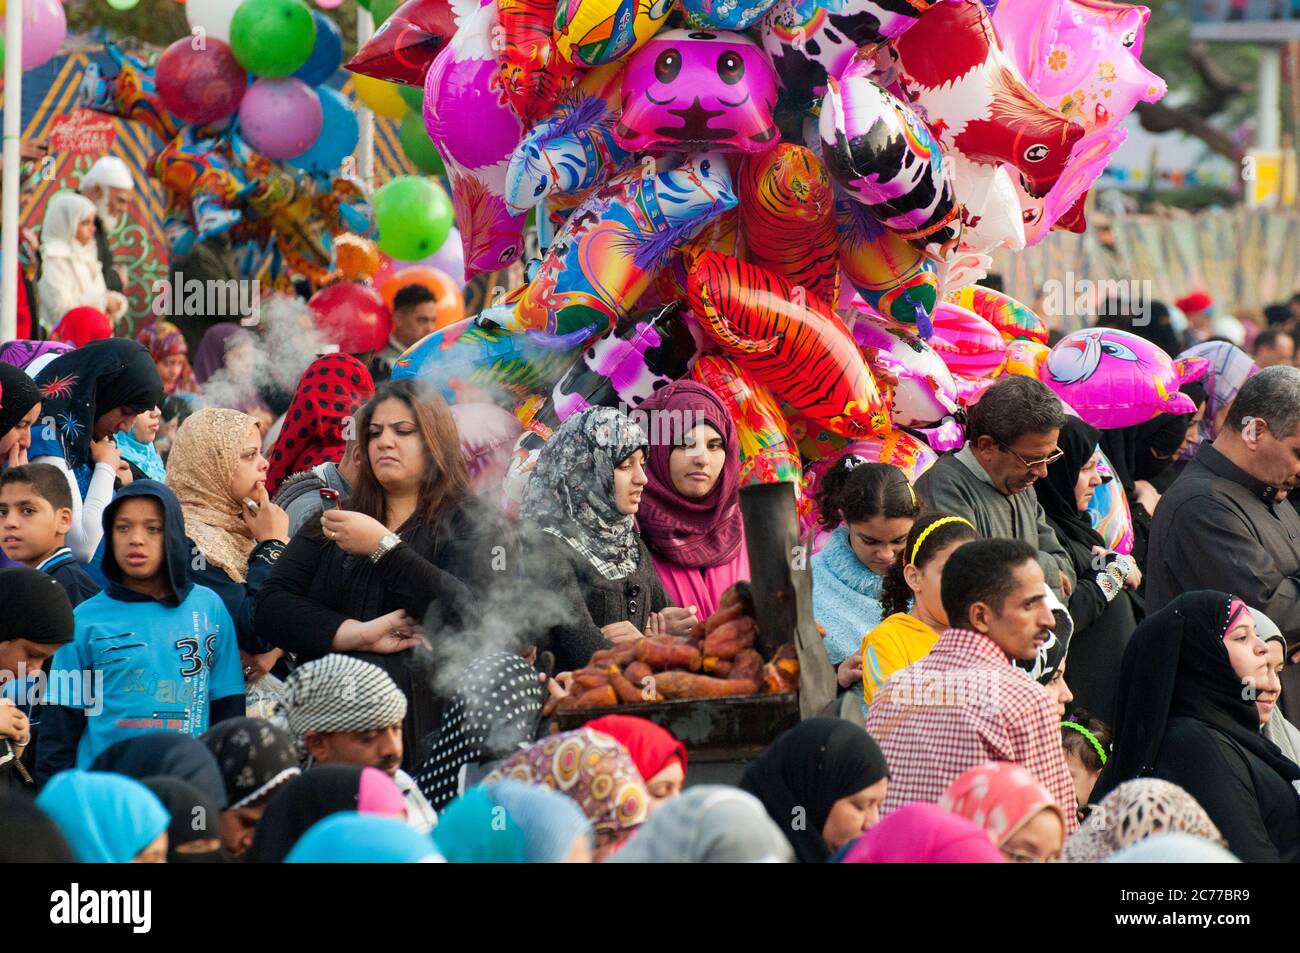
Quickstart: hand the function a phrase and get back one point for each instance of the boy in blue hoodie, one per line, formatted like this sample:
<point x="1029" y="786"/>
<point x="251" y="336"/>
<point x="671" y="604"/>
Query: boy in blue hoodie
<point x="164" y="647"/>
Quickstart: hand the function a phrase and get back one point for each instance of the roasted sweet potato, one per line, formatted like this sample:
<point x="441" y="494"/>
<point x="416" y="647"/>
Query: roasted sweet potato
<point x="748" y="665"/>
<point x="782" y="673"/>
<point x="628" y="694"/>
<point x="690" y="685"/>
<point x="720" y="667"/>
<point x="742" y="594"/>
<point x="729" y="640"/>
<point x="585" y="679"/>
<point x="619" y="655"/>
<point x="665" y="652"/>
<point x="636" y="672"/>
<point x="723" y="616"/>
<point x="603" y="697"/>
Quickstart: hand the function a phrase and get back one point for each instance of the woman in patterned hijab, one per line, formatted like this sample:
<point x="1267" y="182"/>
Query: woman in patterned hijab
<point x="571" y="492"/>
<point x="595" y="771"/>
<point x="256" y="759"/>
<point x="1230" y="368"/>
<point x="169" y="351"/>
<point x="495" y="711"/>
<point x="1133" y="812"/>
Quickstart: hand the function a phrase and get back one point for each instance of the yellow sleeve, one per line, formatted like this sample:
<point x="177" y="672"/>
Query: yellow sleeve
<point x="883" y="654"/>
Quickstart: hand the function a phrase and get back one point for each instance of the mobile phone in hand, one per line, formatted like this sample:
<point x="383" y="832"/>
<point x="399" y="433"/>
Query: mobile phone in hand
<point x="329" y="499"/>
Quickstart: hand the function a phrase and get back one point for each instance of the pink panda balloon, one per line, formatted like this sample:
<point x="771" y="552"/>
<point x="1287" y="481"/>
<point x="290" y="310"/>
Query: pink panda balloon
<point x="698" y="90"/>
<point x="461" y="84"/>
<point x="969" y="345"/>
<point x="1116" y="379"/>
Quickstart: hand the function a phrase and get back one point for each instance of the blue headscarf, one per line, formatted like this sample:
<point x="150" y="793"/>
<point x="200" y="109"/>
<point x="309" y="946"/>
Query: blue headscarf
<point x="474" y="830"/>
<point x="550" y="821"/>
<point x="107" y="818"/>
<point x="352" y="838"/>
<point x="167" y="754"/>
<point x="143" y="455"/>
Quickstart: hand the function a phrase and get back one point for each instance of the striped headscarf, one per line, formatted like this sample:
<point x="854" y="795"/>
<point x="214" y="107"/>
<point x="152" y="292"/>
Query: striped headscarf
<point x="1230" y="368"/>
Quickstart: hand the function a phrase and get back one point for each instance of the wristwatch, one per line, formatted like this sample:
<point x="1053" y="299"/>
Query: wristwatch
<point x="386" y="544"/>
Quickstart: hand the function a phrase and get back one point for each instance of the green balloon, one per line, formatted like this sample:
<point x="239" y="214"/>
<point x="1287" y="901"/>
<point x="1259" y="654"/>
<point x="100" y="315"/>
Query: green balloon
<point x="272" y="37"/>
<point x="364" y="5"/>
<point x="418" y="146"/>
<point x="122" y="4"/>
<point x="2" y="54"/>
<point x="413" y="96"/>
<point x="414" y="217"/>
<point x="381" y="10"/>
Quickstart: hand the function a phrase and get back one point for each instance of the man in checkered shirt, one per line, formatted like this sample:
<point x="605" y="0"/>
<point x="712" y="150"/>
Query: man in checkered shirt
<point x="966" y="702"/>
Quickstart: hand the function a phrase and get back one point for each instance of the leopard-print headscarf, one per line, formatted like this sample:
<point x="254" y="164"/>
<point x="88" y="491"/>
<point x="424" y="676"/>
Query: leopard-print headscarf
<point x="1133" y="812"/>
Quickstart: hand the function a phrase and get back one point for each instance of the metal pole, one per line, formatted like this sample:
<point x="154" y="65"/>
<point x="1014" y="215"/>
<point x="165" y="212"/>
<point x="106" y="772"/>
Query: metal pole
<point x="365" y="116"/>
<point x="13" y="131"/>
<point x="1270" y="98"/>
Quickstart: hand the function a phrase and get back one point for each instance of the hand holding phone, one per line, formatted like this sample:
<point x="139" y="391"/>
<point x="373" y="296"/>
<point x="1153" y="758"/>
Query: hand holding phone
<point x="329" y="499"/>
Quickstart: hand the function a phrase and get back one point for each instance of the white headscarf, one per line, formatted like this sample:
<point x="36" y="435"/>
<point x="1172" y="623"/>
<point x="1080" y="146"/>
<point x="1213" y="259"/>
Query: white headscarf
<point x="65" y="212"/>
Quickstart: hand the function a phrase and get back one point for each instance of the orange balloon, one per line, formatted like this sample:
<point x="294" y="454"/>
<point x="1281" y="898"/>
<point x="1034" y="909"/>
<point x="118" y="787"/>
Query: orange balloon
<point x="450" y="306"/>
<point x="357" y="257"/>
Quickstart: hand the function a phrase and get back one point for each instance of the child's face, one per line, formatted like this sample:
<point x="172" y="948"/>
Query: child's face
<point x="1084" y="780"/>
<point x="171" y="367"/>
<point x="138" y="533"/>
<point x="30" y="528"/>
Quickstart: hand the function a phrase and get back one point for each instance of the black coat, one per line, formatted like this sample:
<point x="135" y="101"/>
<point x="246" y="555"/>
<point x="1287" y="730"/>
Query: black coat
<point x="1254" y="808"/>
<point x="582" y="600"/>
<point x="443" y="576"/>
<point x="111" y="278"/>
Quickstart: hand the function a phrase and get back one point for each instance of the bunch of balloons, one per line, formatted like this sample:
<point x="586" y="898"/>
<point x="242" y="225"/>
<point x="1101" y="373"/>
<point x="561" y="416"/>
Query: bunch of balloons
<point x="826" y="266"/>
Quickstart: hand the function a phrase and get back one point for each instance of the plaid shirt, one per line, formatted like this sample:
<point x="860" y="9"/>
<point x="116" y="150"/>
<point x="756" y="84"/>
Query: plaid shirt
<point x="960" y="706"/>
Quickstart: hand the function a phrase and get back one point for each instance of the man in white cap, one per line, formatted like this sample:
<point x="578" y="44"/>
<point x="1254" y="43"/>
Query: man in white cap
<point x="110" y="186"/>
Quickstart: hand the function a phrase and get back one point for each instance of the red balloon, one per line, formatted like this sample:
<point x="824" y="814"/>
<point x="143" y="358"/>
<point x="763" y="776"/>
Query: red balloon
<point x="353" y="316"/>
<point x="404" y="46"/>
<point x="200" y="86"/>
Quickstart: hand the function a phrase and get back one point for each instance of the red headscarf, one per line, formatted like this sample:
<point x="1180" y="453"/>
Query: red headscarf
<point x="652" y="748"/>
<point x="688" y="532"/>
<point x="82" y="325"/>
<point x="331" y="389"/>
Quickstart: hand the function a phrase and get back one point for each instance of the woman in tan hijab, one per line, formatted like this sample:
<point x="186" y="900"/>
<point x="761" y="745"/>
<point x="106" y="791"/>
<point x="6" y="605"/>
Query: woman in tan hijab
<point x="217" y="470"/>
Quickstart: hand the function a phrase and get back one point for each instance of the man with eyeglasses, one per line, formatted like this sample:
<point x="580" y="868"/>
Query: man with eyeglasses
<point x="1224" y="523"/>
<point x="1011" y="438"/>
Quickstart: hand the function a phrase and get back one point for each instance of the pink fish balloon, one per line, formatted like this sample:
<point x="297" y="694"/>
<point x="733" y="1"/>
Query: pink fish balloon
<point x="1116" y="379"/>
<point x="968" y="344"/>
<point x="461" y="84"/>
<point x="1081" y="56"/>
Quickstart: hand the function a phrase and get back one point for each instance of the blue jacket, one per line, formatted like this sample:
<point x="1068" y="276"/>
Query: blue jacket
<point x="139" y="664"/>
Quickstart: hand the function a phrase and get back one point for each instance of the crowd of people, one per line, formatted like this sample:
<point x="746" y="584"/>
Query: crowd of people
<point x="290" y="610"/>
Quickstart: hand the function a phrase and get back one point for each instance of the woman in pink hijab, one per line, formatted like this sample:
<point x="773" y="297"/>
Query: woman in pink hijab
<point x="1013" y="808"/>
<point x="690" y="510"/>
<point x="923" y="834"/>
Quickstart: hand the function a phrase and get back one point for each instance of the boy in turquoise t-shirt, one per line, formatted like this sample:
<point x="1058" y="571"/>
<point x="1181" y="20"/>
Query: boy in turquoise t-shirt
<point x="152" y="652"/>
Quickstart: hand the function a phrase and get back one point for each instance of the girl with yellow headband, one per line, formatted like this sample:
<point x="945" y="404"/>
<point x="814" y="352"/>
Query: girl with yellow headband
<point x="907" y="635"/>
<point x="871" y="508"/>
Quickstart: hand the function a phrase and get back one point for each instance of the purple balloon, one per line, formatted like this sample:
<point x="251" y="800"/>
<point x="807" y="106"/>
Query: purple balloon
<point x="280" y="118"/>
<point x="45" y="27"/>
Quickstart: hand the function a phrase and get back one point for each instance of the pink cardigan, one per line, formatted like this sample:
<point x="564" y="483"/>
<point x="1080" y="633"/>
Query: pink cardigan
<point x="689" y="587"/>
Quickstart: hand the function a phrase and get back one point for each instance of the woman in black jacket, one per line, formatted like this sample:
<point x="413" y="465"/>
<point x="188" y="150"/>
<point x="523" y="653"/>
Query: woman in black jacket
<point x="408" y="558"/>
<point x="1187" y="714"/>
<point x="580" y="543"/>
<point x="1100" y="605"/>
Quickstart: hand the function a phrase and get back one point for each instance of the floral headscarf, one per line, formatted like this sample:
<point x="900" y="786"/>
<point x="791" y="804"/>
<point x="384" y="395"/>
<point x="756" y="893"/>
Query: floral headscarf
<point x="591" y="768"/>
<point x="1133" y="812"/>
<point x="330" y="391"/>
<point x="255" y="758"/>
<point x="204" y="455"/>
<point x="571" y="491"/>
<point x="1000" y="797"/>
<point x="164" y="340"/>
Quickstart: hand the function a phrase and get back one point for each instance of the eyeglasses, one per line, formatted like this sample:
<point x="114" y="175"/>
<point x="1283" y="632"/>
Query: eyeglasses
<point x="1055" y="455"/>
